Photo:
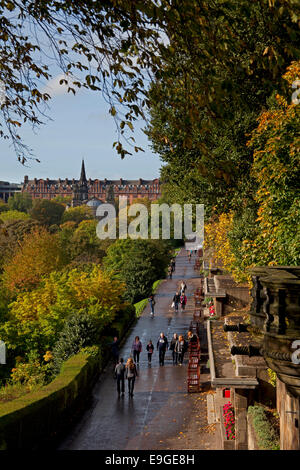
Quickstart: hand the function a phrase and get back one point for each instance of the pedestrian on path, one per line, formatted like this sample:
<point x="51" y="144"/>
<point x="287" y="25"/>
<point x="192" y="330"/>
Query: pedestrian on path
<point x="152" y="303"/>
<point x="172" y="348"/>
<point x="180" y="348"/>
<point x="136" y="349"/>
<point x="176" y="301"/>
<point x="170" y="271"/>
<point x="115" y="350"/>
<point x="173" y="264"/>
<point x="183" y="301"/>
<point x="150" y="350"/>
<point x="120" y="374"/>
<point x="162" y="346"/>
<point x="130" y="374"/>
<point x="183" y="287"/>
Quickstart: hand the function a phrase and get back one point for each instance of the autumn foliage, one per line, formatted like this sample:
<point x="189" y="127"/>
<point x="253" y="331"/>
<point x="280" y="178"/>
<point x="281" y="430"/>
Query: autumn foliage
<point x="39" y="254"/>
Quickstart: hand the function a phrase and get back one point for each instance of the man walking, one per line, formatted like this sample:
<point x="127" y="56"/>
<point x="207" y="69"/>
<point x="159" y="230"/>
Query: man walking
<point x="120" y="375"/>
<point x="162" y="346"/>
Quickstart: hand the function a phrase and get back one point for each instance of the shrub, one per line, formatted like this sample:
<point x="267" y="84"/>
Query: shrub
<point x="267" y="436"/>
<point x="12" y="215"/>
<point x="79" y="332"/>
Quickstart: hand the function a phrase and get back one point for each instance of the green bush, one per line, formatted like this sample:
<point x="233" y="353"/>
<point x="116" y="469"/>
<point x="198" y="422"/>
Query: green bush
<point x="267" y="436"/>
<point x="80" y="331"/>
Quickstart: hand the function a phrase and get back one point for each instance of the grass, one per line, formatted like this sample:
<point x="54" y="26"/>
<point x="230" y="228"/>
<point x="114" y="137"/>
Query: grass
<point x="12" y="391"/>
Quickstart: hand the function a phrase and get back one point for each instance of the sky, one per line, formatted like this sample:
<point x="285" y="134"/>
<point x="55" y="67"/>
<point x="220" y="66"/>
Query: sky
<point x="81" y="127"/>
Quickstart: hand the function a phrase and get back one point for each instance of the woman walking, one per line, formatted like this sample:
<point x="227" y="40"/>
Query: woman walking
<point x="183" y="301"/>
<point x="150" y="350"/>
<point x="130" y="375"/>
<point x="136" y="349"/>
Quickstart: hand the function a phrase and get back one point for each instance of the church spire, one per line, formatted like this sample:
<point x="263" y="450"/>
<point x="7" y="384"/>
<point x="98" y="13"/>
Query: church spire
<point x="82" y="174"/>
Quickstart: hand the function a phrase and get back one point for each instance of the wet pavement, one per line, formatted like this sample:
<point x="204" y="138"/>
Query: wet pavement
<point x="161" y="407"/>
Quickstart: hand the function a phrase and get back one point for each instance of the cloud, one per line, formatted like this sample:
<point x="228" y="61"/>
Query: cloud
<point x="54" y="88"/>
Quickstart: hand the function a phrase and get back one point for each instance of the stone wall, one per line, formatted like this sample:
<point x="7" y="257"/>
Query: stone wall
<point x="236" y="296"/>
<point x="288" y="409"/>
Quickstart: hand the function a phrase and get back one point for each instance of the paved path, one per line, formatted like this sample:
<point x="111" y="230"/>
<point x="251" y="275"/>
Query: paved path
<point x="161" y="408"/>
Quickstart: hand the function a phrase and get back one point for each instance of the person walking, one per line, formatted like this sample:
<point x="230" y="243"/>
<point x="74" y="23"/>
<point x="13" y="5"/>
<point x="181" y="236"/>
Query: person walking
<point x="150" y="350"/>
<point x="176" y="301"/>
<point x="190" y="256"/>
<point x="115" y="350"/>
<point x="172" y="348"/>
<point x="183" y="301"/>
<point x="162" y="346"/>
<point x="152" y="303"/>
<point x="136" y="349"/>
<point x="180" y="348"/>
<point x="130" y="374"/>
<point x="173" y="264"/>
<point x="120" y="375"/>
<point x="183" y="287"/>
<point x="170" y="271"/>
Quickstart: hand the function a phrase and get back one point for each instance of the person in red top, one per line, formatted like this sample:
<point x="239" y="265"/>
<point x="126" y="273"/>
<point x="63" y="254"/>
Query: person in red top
<point x="183" y="301"/>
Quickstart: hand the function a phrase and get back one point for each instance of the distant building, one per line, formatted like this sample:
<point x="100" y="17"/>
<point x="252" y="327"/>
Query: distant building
<point x="8" y="189"/>
<point x="86" y="190"/>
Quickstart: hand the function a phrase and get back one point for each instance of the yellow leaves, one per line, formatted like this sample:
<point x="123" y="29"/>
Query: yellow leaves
<point x="48" y="356"/>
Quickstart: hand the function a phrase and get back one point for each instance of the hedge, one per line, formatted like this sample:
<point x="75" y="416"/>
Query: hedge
<point x="28" y="422"/>
<point x="37" y="416"/>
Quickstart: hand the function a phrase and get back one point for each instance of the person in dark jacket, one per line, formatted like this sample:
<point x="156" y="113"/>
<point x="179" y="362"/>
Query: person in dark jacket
<point x="130" y="375"/>
<point x="162" y="346"/>
<point x="137" y="349"/>
<point x="180" y="348"/>
<point x="120" y="374"/>
<point x="173" y="264"/>
<point x="176" y="301"/>
<point x="115" y="350"/>
<point x="172" y="348"/>
<point x="150" y="350"/>
<point x="152" y="303"/>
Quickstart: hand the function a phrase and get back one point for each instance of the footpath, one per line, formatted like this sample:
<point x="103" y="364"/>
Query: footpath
<point x="161" y="415"/>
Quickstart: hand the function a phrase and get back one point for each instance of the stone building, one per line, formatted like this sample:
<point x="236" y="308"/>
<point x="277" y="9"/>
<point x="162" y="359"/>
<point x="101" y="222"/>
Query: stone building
<point x="85" y="189"/>
<point x="8" y="189"/>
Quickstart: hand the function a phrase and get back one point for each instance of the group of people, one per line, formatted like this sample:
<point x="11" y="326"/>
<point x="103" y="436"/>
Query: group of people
<point x="180" y="297"/>
<point x="129" y="371"/>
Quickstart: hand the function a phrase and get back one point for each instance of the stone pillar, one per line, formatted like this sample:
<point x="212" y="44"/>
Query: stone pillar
<point x="240" y="410"/>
